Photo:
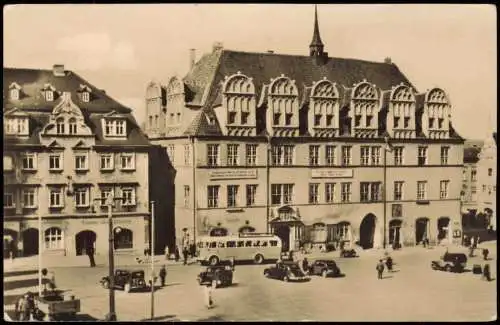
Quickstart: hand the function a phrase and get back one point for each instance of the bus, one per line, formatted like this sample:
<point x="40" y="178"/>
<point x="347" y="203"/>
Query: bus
<point x="242" y="247"/>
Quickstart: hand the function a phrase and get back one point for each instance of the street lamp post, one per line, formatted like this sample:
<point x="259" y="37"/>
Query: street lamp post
<point x="268" y="156"/>
<point x="152" y="259"/>
<point x="40" y="243"/>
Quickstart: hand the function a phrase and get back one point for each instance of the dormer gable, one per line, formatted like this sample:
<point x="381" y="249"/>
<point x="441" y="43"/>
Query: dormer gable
<point x="114" y="125"/>
<point x="54" y="145"/>
<point x="175" y="101"/>
<point x="66" y="119"/>
<point x="14" y="91"/>
<point x="16" y="122"/>
<point x="365" y="104"/>
<point x="85" y="93"/>
<point x="324" y="107"/>
<point x="282" y="107"/>
<point x="49" y="92"/>
<point x="81" y="145"/>
<point x="401" y="112"/>
<point x="436" y="115"/>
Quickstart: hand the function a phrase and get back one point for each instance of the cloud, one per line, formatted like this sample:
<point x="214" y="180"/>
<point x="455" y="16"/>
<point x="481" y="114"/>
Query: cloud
<point x="137" y="105"/>
<point x="94" y="51"/>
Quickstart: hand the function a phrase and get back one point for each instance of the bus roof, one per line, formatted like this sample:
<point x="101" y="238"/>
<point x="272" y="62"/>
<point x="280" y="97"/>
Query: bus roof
<point x="237" y="237"/>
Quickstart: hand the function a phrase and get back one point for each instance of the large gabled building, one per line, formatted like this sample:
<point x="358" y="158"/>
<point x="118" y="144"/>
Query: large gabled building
<point x="296" y="145"/>
<point x="67" y="146"/>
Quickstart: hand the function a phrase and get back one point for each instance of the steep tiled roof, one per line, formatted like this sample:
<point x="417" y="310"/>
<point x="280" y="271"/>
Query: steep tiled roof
<point x="471" y="154"/>
<point x="201" y="126"/>
<point x="31" y="101"/>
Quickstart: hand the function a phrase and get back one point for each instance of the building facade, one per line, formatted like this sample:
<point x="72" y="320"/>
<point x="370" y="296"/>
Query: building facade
<point x="67" y="147"/>
<point x="487" y="180"/>
<point x="469" y="177"/>
<point x="318" y="150"/>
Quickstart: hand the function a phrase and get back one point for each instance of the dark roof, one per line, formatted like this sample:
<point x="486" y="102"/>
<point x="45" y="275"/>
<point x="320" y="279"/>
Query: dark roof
<point x="471" y="154"/>
<point x="32" y="102"/>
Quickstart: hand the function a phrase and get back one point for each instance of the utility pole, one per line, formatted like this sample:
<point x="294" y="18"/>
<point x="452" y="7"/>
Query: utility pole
<point x="40" y="250"/>
<point x="152" y="259"/>
<point x="268" y="157"/>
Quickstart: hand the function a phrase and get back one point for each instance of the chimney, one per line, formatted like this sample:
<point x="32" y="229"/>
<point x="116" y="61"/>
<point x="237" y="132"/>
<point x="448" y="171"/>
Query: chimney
<point x="192" y="58"/>
<point x="270" y="51"/>
<point x="217" y="46"/>
<point x="388" y="60"/>
<point x="58" y="70"/>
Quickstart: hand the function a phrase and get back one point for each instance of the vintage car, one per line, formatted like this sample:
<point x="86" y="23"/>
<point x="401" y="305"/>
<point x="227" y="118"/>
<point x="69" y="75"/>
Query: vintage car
<point x="52" y="305"/>
<point x="348" y="253"/>
<point x="325" y="268"/>
<point x="126" y="280"/>
<point x="286" y="271"/>
<point x="221" y="274"/>
<point x="450" y="262"/>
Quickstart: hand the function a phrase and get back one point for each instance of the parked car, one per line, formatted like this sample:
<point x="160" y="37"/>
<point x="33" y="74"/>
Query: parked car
<point x="450" y="262"/>
<point x="222" y="274"/>
<point x="325" y="268"/>
<point x="348" y="253"/>
<point x="286" y="271"/>
<point x="126" y="280"/>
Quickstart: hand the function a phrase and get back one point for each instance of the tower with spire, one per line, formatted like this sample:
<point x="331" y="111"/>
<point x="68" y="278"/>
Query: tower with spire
<point x="316" y="48"/>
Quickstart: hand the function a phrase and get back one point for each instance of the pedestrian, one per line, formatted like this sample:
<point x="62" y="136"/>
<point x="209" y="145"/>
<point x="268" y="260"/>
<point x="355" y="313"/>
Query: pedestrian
<point x="209" y="303"/>
<point x="166" y="252"/>
<point x="485" y="254"/>
<point x="20" y="248"/>
<point x="477" y="241"/>
<point x="472" y="242"/>
<point x="389" y="263"/>
<point x="464" y="242"/>
<point x="471" y="251"/>
<point x="380" y="269"/>
<point x="90" y="254"/>
<point x="424" y="242"/>
<point x="305" y="265"/>
<point x="177" y="254"/>
<point x="486" y="272"/>
<point x="163" y="275"/>
<point x="19" y="306"/>
<point x="185" y="254"/>
<point x="25" y="309"/>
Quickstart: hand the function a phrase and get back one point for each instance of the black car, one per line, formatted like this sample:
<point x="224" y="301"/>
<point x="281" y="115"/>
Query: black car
<point x="222" y="274"/>
<point x="348" y="253"/>
<point x="450" y="262"/>
<point x="126" y="280"/>
<point x="286" y="271"/>
<point x="325" y="268"/>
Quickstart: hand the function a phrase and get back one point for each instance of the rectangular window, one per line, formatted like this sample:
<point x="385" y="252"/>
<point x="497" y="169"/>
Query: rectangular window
<point x="105" y="193"/>
<point x="314" y="155"/>
<point x="473" y="175"/>
<point x="375" y="161"/>
<point x="346" y="192"/>
<point x="187" y="155"/>
<point x="346" y="156"/>
<point x="288" y="155"/>
<point x="82" y="197"/>
<point x="396" y="122"/>
<point x="406" y="121"/>
<point x="128" y="196"/>
<point x="106" y="161"/>
<point x="81" y="161"/>
<point x="357" y="120"/>
<point x="330" y="155"/>
<point x="365" y="156"/>
<point x="288" y="119"/>
<point x="329" y="120"/>
<point x="276" y="118"/>
<point x="187" y="196"/>
<point x="55" y="161"/>
<point x="231" y="118"/>
<point x="276" y="194"/>
<point x="108" y="127"/>
<point x="398" y="156"/>
<point x="85" y="97"/>
<point x="490" y="171"/>
<point x="232" y="196"/>
<point x="444" y="155"/>
<point x="212" y="154"/>
<point x="232" y="155"/>
<point x="49" y="95"/>
<point x="313" y="193"/>
<point x="8" y="200"/>
<point x="281" y="194"/>
<point x="251" y="154"/>
<point x="244" y="118"/>
<point x="421" y="190"/>
<point x="440" y="123"/>
<point x="369" y="119"/>
<point x="277" y="155"/>
<point x="29" y="198"/>
<point x="443" y="189"/>
<point x="398" y="190"/>
<point x="56" y="198"/>
<point x="431" y="123"/>
<point x="171" y="153"/>
<point x="375" y="192"/>
<point x="422" y="156"/>
<point x="329" y="192"/>
<point x="213" y="196"/>
<point x="364" y="192"/>
<point x="127" y="161"/>
<point x="251" y="194"/>
<point x="317" y="120"/>
<point x="287" y="193"/>
<point x="29" y="161"/>
<point x="120" y="127"/>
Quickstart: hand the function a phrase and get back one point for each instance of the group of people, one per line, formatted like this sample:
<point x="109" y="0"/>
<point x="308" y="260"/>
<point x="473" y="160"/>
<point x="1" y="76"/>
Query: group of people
<point x="382" y="264"/>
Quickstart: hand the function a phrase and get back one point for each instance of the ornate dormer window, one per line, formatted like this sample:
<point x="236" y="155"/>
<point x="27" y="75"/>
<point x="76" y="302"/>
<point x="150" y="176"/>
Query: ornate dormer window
<point x="114" y="125"/>
<point x="60" y="129"/>
<point x="436" y="115"/>
<point x="239" y="103"/>
<point x="48" y="92"/>
<point x="364" y="108"/>
<point x="401" y="114"/>
<point x="16" y="123"/>
<point x="323" y="115"/>
<point x="85" y="92"/>
<point x="283" y="107"/>
<point x="14" y="91"/>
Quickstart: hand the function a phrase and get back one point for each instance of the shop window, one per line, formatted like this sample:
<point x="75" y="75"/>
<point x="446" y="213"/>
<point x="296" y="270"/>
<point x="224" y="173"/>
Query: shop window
<point x="53" y="238"/>
<point x="123" y="238"/>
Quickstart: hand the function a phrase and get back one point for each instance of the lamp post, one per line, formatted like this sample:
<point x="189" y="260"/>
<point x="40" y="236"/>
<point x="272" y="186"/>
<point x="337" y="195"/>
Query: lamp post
<point x="268" y="156"/>
<point x="40" y="243"/>
<point x="387" y="147"/>
<point x="152" y="259"/>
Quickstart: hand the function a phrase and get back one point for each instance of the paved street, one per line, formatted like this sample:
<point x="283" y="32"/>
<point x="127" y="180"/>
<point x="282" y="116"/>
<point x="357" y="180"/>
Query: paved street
<point x="413" y="293"/>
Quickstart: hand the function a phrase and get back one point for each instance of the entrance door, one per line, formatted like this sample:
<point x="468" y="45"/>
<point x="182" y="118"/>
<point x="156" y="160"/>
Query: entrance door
<point x="283" y="232"/>
<point x="30" y="242"/>
<point x="443" y="224"/>
<point x="367" y="231"/>
<point x="395" y="233"/>
<point x="421" y="226"/>
<point x="84" y="240"/>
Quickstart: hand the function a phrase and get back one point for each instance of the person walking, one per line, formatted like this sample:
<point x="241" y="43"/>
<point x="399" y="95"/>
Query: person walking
<point x="167" y="255"/>
<point x="389" y="263"/>
<point x="464" y="241"/>
<point x="485" y="254"/>
<point x="163" y="275"/>
<point x="380" y="269"/>
<point x="90" y="254"/>
<point x="25" y="309"/>
<point x="177" y="254"/>
<point x="472" y="242"/>
<point x="486" y="273"/>
<point x="305" y="265"/>
<point x="185" y="254"/>
<point x="209" y="302"/>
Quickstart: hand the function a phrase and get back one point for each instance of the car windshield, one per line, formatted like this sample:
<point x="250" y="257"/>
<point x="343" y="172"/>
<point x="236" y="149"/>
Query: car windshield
<point x="330" y="263"/>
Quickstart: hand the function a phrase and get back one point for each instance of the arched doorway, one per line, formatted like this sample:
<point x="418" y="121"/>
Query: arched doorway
<point x="218" y="232"/>
<point x="283" y="232"/>
<point x="367" y="231"/>
<point x="443" y="224"/>
<point x="30" y="242"/>
<point x="421" y="229"/>
<point x="84" y="240"/>
<point x="395" y="233"/>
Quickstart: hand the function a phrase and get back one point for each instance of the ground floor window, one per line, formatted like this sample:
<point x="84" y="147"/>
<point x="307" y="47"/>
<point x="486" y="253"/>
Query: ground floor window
<point x="54" y="238"/>
<point x="318" y="233"/>
<point x="218" y="232"/>
<point x="123" y="238"/>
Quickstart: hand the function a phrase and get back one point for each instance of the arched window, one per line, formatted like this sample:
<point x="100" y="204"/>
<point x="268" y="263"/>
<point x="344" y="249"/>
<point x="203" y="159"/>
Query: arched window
<point x="14" y="94"/>
<point x="156" y="121"/>
<point x="54" y="238"/>
<point x="150" y="121"/>
<point x="72" y="125"/>
<point x="246" y="229"/>
<point x="60" y="125"/>
<point x="123" y="238"/>
<point x="217" y="232"/>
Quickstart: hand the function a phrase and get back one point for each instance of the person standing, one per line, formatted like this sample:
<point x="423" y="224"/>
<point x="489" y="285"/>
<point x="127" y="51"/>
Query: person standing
<point x="90" y="254"/>
<point x="472" y="242"/>
<point x="185" y="254"/>
<point x="209" y="303"/>
<point x="305" y="265"/>
<point x="389" y="263"/>
<point x="485" y="254"/>
<point x="486" y="273"/>
<point x="166" y="252"/>
<point x="163" y="275"/>
<point x="380" y="269"/>
<point x="20" y="248"/>
<point x="464" y="241"/>
<point x="177" y="255"/>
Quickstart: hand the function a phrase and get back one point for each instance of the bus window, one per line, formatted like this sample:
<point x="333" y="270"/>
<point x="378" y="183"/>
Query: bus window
<point x="273" y="243"/>
<point x="200" y="245"/>
<point x="231" y="243"/>
<point x="220" y="245"/>
<point x="241" y="243"/>
<point x="213" y="244"/>
<point x="248" y="243"/>
<point x="257" y="243"/>
<point x="264" y="244"/>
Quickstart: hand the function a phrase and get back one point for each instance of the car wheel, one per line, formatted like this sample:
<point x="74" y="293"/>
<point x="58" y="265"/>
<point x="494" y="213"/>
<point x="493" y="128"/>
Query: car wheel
<point x="266" y="274"/>
<point x="105" y="284"/>
<point x="258" y="259"/>
<point x="126" y="287"/>
<point x="213" y="260"/>
<point x="286" y="279"/>
<point x="324" y="273"/>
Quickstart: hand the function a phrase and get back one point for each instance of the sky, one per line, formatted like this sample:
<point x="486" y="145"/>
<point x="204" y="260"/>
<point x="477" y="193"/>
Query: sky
<point x="122" y="47"/>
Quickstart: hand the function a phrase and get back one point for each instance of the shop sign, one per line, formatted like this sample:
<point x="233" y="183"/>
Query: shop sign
<point x="233" y="173"/>
<point x="331" y="173"/>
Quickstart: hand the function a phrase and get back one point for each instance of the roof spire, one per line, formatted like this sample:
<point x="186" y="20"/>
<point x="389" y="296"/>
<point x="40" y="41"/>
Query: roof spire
<point x="316" y="46"/>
